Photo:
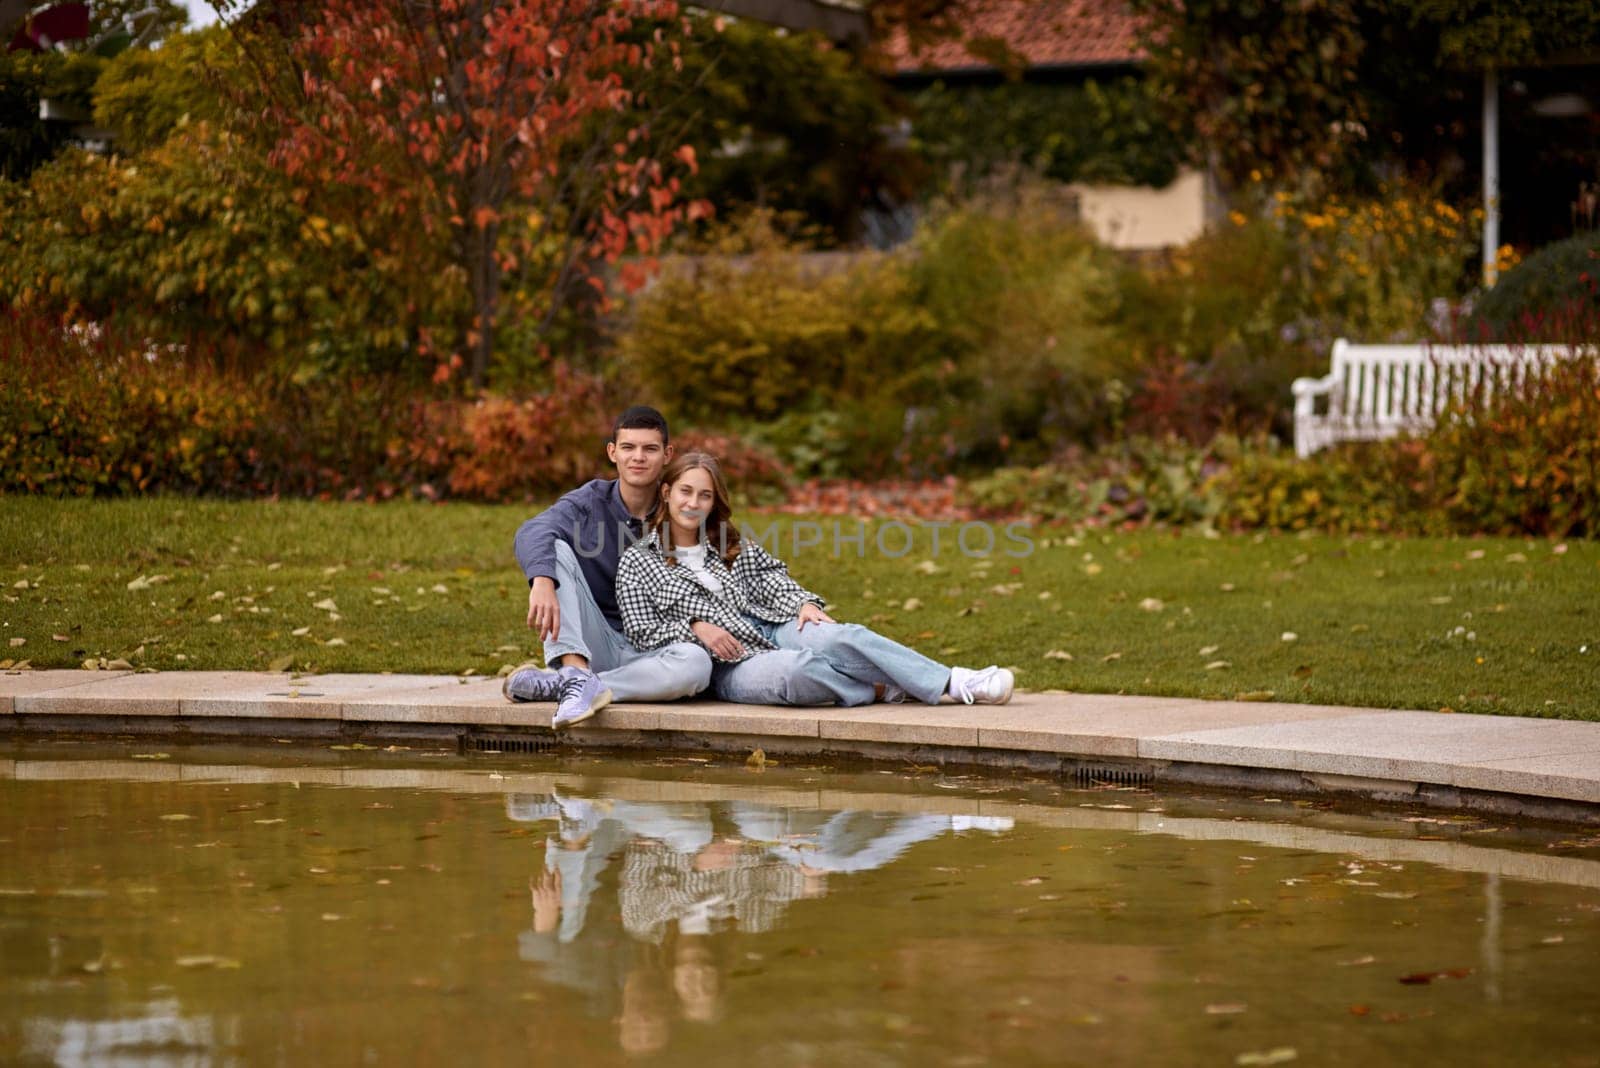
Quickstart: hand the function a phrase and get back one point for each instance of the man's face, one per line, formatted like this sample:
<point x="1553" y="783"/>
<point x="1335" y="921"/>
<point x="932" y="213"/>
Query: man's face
<point x="639" y="455"/>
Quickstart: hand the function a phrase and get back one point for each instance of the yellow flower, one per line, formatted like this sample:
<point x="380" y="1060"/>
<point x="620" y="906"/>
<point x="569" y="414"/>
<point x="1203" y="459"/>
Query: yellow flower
<point x="1237" y="218"/>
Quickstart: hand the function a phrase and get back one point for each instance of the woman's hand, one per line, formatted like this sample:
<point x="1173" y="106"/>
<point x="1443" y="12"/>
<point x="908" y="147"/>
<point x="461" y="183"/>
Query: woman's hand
<point x="810" y="613"/>
<point x="722" y="644"/>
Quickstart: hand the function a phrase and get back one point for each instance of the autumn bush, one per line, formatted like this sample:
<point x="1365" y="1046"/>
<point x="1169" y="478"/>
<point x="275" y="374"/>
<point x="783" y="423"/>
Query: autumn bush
<point x="100" y="412"/>
<point x="1552" y="296"/>
<point x="1221" y="327"/>
<point x="196" y="235"/>
<point x="1138" y="481"/>
<point x="1524" y="462"/>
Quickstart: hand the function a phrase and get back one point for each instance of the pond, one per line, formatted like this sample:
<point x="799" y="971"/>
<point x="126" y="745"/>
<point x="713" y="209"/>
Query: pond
<point x="165" y="905"/>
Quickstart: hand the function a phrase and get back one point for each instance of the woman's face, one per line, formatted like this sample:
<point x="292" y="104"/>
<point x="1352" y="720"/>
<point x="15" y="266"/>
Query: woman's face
<point x="690" y="499"/>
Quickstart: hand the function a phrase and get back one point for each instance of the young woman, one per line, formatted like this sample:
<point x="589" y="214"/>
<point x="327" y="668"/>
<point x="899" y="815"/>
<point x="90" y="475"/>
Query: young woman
<point x="691" y="577"/>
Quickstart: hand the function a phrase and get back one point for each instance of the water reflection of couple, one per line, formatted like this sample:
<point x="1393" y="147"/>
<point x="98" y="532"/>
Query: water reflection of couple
<point x="691" y="604"/>
<point x="687" y="872"/>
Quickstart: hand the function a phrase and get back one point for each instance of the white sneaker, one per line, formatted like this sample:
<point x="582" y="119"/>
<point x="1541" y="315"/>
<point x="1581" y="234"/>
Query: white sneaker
<point x="990" y="686"/>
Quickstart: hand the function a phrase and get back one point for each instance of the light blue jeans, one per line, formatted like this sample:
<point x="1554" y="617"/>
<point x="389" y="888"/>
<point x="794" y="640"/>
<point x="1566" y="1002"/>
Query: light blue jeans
<point x="827" y="663"/>
<point x="681" y="669"/>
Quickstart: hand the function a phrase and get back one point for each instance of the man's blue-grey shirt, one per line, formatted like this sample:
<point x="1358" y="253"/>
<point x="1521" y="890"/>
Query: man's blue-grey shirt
<point x="594" y="521"/>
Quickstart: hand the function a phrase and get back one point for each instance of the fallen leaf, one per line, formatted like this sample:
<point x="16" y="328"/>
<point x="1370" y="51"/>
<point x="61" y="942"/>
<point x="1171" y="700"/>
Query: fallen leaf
<point x="1226" y="1008"/>
<point x="1207" y="650"/>
<point x="300" y="632"/>
<point x="1152" y="604"/>
<point x="215" y="619"/>
<point x="60" y="638"/>
<point x="334" y="641"/>
<point x="1278" y="1055"/>
<point x="177" y="816"/>
<point x="207" y="960"/>
<point x="152" y="756"/>
<point x="282" y="663"/>
<point x="1109" y="657"/>
<point x="1356" y="961"/>
<point x="1255" y="695"/>
<point x="17" y="643"/>
<point x="912" y="604"/>
<point x="144" y="582"/>
<point x="327" y="605"/>
<point x="1058" y="654"/>
<point x="1217" y="665"/>
<point x="1360" y="1010"/>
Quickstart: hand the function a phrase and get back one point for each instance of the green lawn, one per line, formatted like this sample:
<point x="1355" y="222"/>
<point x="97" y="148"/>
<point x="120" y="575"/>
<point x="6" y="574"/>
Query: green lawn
<point x="1477" y="625"/>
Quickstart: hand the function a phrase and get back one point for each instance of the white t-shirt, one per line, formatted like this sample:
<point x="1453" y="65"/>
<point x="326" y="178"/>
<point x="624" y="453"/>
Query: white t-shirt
<point x="693" y="557"/>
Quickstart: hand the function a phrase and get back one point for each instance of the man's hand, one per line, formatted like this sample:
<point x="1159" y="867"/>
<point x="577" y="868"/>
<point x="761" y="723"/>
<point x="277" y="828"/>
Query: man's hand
<point x="546" y="894"/>
<point x="810" y="613"/>
<point x="719" y="641"/>
<point x="544" y="611"/>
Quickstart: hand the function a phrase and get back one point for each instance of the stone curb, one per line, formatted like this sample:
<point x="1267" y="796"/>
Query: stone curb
<point x="1425" y="756"/>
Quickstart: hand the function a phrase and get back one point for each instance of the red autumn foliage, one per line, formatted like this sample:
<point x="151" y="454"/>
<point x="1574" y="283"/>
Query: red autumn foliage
<point x="499" y="130"/>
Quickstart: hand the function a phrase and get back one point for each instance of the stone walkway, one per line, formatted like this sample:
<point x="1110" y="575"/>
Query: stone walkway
<point x="1445" y="759"/>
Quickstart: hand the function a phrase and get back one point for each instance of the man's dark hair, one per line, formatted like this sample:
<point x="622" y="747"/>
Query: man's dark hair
<point x="640" y="417"/>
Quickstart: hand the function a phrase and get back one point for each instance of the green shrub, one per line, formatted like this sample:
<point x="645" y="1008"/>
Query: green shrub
<point x="1553" y="296"/>
<point x="94" y="413"/>
<point x="1090" y="132"/>
<point x="1141" y="481"/>
<point x="1222" y="327"/>
<point x="1524" y="463"/>
<point x="1019" y="293"/>
<point x="753" y="329"/>
<point x="1528" y="462"/>
<point x="198" y="232"/>
<point x="1360" y="488"/>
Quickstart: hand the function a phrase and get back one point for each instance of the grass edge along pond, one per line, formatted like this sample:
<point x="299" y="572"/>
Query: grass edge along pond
<point x="1469" y="624"/>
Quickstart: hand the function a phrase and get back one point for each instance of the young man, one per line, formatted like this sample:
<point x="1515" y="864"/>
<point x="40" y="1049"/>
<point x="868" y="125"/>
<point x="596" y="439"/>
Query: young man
<point x="569" y="553"/>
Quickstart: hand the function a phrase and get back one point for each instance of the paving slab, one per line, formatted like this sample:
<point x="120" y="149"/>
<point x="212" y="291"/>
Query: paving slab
<point x="907" y="724"/>
<point x="14" y="684"/>
<point x="1112" y="725"/>
<point x="1570" y="776"/>
<point x="1407" y="746"/>
<point x="721" y="718"/>
<point x="434" y="699"/>
<point x="254" y="695"/>
<point x="158" y="693"/>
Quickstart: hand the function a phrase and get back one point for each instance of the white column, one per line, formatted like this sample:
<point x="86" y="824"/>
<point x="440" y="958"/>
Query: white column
<point x="1491" y="173"/>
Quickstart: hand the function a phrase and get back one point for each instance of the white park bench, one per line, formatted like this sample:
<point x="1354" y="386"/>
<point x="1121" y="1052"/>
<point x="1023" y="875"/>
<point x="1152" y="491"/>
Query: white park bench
<point x="1378" y="391"/>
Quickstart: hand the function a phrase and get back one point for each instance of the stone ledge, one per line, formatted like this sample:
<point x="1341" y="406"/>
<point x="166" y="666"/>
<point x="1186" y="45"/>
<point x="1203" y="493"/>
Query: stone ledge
<point x="1396" y="753"/>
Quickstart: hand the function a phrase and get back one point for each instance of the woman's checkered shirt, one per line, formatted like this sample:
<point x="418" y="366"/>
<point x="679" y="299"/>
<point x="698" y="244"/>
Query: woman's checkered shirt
<point x="658" y="602"/>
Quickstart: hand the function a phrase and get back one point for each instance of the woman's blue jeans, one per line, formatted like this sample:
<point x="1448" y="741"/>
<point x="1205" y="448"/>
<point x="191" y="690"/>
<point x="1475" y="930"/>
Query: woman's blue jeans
<point x="827" y="663"/>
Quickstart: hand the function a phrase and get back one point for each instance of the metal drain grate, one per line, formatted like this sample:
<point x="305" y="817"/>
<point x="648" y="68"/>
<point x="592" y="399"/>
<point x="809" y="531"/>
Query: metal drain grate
<point x="479" y="744"/>
<point x="1102" y="775"/>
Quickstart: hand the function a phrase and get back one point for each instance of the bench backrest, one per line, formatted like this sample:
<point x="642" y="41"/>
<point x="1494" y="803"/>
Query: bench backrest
<point x="1408" y="385"/>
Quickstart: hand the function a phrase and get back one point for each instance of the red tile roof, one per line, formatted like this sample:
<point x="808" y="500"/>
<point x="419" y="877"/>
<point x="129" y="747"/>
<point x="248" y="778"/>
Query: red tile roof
<point x="1047" y="33"/>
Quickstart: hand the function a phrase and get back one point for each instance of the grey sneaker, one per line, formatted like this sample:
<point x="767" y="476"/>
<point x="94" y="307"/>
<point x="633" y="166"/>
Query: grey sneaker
<point x="582" y="695"/>
<point x="530" y="682"/>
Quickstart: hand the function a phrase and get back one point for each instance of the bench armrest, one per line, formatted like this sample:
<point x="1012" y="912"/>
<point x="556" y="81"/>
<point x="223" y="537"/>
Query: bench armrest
<point x="1306" y="390"/>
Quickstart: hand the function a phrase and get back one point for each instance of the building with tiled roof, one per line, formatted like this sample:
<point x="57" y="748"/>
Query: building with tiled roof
<point x="1042" y="34"/>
